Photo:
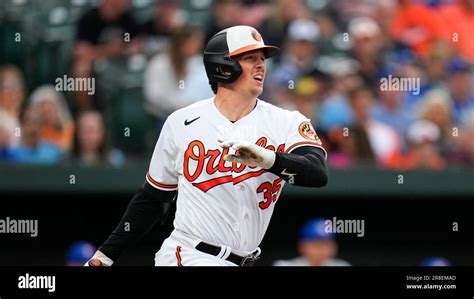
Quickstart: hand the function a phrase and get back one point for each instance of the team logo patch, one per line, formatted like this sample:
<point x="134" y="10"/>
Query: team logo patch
<point x="307" y="131"/>
<point x="256" y="36"/>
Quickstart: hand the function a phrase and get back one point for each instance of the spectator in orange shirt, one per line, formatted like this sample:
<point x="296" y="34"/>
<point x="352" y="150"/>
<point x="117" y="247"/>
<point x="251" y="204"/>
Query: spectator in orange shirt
<point x="417" y="26"/>
<point x="459" y="20"/>
<point x="422" y="137"/>
<point x="57" y="127"/>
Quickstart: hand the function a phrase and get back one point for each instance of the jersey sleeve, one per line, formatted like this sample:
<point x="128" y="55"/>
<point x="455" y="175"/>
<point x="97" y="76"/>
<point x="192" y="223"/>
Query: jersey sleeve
<point x="162" y="173"/>
<point x="301" y="133"/>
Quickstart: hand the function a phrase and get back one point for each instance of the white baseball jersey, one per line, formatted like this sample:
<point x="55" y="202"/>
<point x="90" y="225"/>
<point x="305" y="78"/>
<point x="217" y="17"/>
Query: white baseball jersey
<point x="218" y="201"/>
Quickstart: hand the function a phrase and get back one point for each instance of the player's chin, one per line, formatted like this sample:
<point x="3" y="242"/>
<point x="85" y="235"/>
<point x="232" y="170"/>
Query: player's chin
<point x="257" y="90"/>
<point x="256" y="93"/>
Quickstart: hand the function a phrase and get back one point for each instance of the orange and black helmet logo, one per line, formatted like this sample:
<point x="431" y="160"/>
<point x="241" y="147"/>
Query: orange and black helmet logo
<point x="256" y="36"/>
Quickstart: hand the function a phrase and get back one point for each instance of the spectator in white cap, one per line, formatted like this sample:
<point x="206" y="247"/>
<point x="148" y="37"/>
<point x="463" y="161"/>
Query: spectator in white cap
<point x="298" y="60"/>
<point x="366" y="44"/>
<point x="423" y="131"/>
<point x="363" y="27"/>
<point x="436" y="107"/>
<point x="303" y="30"/>
<point x="423" y="152"/>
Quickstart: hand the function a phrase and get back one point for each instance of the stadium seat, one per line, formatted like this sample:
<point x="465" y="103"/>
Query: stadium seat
<point x="129" y="122"/>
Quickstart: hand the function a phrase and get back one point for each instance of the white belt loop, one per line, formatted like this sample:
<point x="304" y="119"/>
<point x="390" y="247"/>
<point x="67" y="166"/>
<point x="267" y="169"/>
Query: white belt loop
<point x="222" y="252"/>
<point x="227" y="252"/>
<point x="258" y="251"/>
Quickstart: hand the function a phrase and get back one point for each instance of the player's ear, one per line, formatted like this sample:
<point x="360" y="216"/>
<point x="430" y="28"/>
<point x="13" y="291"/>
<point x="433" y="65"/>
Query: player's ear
<point x="227" y="71"/>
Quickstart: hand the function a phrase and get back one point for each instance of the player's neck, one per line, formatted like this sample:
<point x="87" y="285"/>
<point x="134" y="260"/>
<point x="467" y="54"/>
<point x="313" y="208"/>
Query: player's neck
<point x="234" y="106"/>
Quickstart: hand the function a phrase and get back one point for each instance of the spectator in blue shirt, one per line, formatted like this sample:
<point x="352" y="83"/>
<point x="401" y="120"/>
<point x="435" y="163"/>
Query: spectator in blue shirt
<point x="31" y="149"/>
<point x="389" y="110"/>
<point x="461" y="89"/>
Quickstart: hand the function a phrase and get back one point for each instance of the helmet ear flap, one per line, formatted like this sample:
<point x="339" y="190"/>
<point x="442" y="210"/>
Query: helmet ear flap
<point x="221" y="69"/>
<point x="224" y="70"/>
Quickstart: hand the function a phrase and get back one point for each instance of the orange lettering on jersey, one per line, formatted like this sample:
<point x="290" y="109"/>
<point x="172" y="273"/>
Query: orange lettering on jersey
<point x="262" y="141"/>
<point x="213" y="154"/>
<point x="206" y="185"/>
<point x="189" y="154"/>
<point x="221" y="166"/>
<point x="206" y="160"/>
<point x="238" y="169"/>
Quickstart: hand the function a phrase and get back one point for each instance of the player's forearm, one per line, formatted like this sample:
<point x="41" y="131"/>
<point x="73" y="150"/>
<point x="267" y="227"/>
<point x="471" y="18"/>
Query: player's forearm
<point x="305" y="167"/>
<point x="148" y="206"/>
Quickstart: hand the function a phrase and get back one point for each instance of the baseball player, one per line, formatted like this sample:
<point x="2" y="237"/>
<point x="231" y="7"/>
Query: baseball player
<point x="227" y="158"/>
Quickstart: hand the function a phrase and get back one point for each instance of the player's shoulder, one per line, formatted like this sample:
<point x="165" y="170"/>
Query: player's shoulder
<point x="190" y="110"/>
<point x="281" y="113"/>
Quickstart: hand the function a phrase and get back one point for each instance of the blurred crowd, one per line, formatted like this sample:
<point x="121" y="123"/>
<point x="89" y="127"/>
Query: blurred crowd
<point x="334" y="55"/>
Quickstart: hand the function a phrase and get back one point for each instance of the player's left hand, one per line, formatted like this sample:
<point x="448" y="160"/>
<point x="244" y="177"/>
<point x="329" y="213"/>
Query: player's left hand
<point x="248" y="153"/>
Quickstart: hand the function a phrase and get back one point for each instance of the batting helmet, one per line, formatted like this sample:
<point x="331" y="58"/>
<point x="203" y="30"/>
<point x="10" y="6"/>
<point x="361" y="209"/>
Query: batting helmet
<point x="223" y="46"/>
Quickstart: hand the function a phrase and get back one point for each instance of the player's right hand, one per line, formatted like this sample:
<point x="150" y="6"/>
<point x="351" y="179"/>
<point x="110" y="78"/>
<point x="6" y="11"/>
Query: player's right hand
<point x="99" y="260"/>
<point x="249" y="153"/>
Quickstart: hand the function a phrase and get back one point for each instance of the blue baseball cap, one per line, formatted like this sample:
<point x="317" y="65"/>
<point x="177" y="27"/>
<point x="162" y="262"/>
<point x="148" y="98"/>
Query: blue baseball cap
<point x="80" y="252"/>
<point x="435" y="262"/>
<point x="315" y="230"/>
<point x="457" y="65"/>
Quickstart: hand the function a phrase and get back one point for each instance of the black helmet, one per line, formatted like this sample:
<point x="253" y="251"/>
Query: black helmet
<point x="220" y="67"/>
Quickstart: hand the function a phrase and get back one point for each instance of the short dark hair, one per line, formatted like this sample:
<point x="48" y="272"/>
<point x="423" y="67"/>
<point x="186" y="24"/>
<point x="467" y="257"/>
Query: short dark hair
<point x="358" y="90"/>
